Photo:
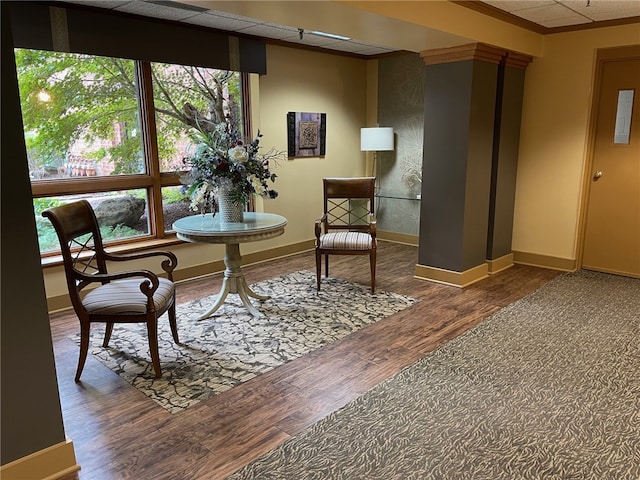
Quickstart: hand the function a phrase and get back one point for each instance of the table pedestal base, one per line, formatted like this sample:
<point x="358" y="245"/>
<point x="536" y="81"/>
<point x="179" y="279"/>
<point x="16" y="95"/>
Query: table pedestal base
<point x="234" y="282"/>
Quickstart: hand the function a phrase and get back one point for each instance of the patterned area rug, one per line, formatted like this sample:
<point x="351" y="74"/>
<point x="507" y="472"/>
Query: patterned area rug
<point x="547" y="388"/>
<point x="232" y="347"/>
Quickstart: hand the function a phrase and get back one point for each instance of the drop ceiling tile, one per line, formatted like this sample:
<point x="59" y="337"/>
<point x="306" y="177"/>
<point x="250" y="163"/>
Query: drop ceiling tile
<point x="269" y="31"/>
<point x="605" y="10"/>
<point x="565" y="21"/>
<point x="157" y="11"/>
<point x="109" y="4"/>
<point x="557" y="13"/>
<point x="342" y="47"/>
<point x="614" y="15"/>
<point x="543" y="15"/>
<point x="516" y="5"/>
<point x="218" y="21"/>
<point x="373" y="51"/>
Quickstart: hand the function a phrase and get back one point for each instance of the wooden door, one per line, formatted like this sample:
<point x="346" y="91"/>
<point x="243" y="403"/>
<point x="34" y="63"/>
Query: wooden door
<point x="612" y="229"/>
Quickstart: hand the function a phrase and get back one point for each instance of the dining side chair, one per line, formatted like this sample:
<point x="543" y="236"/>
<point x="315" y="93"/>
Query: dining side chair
<point x="348" y="224"/>
<point x="136" y="296"/>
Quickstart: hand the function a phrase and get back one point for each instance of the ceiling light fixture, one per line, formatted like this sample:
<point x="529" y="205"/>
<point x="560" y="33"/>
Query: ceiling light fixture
<point x="330" y="35"/>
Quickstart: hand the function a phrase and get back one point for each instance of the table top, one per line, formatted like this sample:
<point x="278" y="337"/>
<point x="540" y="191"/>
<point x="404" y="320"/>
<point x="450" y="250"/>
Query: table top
<point x="207" y="228"/>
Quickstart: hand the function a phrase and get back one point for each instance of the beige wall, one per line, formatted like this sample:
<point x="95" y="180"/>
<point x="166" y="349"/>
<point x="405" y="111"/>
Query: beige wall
<point x="303" y="81"/>
<point x="553" y="146"/>
<point x="558" y="91"/>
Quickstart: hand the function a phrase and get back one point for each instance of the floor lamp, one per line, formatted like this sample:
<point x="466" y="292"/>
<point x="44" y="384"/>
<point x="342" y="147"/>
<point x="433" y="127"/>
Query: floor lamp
<point x="376" y="139"/>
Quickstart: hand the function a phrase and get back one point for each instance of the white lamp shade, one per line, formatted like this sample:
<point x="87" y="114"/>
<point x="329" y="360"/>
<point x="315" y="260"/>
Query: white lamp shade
<point x="376" y="139"/>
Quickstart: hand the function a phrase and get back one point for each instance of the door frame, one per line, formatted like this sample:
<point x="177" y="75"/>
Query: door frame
<point x="603" y="55"/>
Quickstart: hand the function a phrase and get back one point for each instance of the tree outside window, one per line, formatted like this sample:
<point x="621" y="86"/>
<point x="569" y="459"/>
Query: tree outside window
<point x="87" y="135"/>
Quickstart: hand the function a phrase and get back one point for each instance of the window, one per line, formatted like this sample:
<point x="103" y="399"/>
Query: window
<point x="624" y="112"/>
<point x="102" y="127"/>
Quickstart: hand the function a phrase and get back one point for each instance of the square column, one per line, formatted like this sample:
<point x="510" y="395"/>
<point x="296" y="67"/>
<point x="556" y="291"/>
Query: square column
<point x="510" y="89"/>
<point x="466" y="190"/>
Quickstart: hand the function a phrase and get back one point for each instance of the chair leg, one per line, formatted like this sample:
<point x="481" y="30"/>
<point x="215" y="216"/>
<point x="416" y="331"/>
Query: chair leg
<point x="372" y="261"/>
<point x="84" y="348"/>
<point x="152" y="332"/>
<point x="107" y="334"/>
<point x="172" y="322"/>
<point x="318" y="268"/>
<point x="326" y="266"/>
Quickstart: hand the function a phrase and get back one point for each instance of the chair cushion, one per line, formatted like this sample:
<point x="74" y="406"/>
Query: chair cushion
<point x="346" y="241"/>
<point x="125" y="297"/>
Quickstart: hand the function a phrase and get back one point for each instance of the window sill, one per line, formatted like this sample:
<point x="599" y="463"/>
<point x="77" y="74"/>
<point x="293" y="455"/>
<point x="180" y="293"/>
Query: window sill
<point x="152" y="244"/>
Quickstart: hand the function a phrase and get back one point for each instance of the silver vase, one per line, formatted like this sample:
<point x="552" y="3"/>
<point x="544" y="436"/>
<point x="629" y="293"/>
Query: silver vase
<point x="229" y="211"/>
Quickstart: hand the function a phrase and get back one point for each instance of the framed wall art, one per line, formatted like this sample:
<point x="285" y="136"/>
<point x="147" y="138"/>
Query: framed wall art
<point x="306" y="134"/>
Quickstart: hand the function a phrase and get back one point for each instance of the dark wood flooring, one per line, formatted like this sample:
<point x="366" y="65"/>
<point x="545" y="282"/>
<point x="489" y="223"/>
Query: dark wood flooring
<point x="118" y="433"/>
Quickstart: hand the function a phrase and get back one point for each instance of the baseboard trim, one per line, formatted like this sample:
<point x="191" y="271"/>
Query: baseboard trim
<point x="63" y="302"/>
<point x="197" y="271"/>
<point x="450" y="277"/>
<point x="500" y="264"/>
<point x="247" y="259"/>
<point x="545" y="261"/>
<point x="612" y="271"/>
<point x="57" y="303"/>
<point x="279" y="252"/>
<point x="394" y="237"/>
<point x="50" y="463"/>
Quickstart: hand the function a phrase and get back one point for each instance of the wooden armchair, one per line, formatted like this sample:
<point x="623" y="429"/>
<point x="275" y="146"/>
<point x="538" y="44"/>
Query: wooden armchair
<point x="126" y="297"/>
<point x="348" y="225"/>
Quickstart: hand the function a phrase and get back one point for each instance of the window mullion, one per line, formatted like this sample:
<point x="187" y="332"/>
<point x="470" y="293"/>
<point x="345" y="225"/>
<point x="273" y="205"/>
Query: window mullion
<point x="150" y="146"/>
<point x="74" y="186"/>
<point x="246" y="105"/>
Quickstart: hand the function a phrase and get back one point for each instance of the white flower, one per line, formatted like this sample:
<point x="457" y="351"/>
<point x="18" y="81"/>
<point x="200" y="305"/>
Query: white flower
<point x="199" y="197"/>
<point x="238" y="154"/>
<point x="258" y="187"/>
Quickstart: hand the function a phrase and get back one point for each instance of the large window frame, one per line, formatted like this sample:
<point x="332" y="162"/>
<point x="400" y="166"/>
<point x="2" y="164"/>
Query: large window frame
<point x="152" y="182"/>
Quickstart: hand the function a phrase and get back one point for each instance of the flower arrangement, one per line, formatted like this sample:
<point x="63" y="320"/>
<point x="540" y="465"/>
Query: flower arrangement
<point x="222" y="160"/>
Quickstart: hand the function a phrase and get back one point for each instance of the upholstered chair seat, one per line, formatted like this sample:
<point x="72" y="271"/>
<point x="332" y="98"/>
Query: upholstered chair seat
<point x="346" y="241"/>
<point x="123" y="297"/>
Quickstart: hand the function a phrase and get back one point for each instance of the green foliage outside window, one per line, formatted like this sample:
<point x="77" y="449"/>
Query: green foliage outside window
<point x="87" y="107"/>
<point x="68" y="98"/>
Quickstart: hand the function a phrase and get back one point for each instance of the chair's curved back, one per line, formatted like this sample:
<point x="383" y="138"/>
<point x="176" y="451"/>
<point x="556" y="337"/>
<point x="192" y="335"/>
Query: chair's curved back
<point x="81" y="244"/>
<point x="124" y="297"/>
<point x="348" y="202"/>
